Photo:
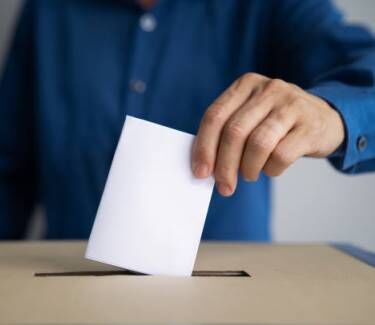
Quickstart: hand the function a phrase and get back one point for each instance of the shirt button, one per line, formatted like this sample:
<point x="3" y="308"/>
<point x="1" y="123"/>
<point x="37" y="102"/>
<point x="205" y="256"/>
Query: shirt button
<point x="148" y="22"/>
<point x="138" y="86"/>
<point x="361" y="143"/>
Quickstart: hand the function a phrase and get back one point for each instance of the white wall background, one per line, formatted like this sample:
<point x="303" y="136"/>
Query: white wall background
<point x="312" y="202"/>
<point x="315" y="203"/>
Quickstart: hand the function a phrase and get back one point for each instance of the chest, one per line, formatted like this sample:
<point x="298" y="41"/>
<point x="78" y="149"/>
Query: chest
<point x="99" y="61"/>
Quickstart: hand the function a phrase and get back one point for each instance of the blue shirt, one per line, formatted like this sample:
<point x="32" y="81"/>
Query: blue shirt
<point x="76" y="68"/>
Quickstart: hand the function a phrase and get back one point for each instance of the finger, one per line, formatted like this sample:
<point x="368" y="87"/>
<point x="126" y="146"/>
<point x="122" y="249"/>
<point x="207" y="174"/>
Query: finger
<point x="293" y="146"/>
<point x="206" y="142"/>
<point x="233" y="139"/>
<point x="264" y="139"/>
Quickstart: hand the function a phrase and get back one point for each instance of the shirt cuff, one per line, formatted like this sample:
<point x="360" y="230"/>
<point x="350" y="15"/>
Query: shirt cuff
<point x="351" y="103"/>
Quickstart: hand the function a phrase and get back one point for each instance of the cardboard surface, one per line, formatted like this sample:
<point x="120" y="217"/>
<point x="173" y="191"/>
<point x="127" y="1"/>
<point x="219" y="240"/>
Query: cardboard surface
<point x="288" y="285"/>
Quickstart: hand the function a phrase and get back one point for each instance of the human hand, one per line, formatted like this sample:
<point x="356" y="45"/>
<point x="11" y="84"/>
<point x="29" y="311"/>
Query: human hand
<point x="262" y="124"/>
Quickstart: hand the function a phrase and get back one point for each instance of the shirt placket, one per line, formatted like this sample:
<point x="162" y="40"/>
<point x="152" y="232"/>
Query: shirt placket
<point x="147" y="40"/>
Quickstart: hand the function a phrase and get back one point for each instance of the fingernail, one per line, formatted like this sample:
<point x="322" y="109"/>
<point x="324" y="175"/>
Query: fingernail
<point x="201" y="170"/>
<point x="224" y="189"/>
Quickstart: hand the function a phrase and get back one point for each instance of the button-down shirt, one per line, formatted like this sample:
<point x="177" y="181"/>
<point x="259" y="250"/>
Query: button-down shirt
<point x="77" y="68"/>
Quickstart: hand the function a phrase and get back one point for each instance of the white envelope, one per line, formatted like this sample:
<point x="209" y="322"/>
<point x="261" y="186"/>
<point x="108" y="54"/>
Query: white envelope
<point x="152" y="212"/>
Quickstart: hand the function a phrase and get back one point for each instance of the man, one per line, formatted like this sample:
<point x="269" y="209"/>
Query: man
<point x="262" y="83"/>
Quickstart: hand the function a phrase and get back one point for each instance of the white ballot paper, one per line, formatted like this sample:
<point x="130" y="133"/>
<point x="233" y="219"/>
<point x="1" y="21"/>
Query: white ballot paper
<point x="152" y="212"/>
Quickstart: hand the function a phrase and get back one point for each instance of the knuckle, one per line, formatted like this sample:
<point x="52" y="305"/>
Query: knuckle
<point x="214" y="115"/>
<point x="250" y="76"/>
<point x="246" y="79"/>
<point x="261" y="140"/>
<point x="234" y="132"/>
<point x="273" y="126"/>
<point x="276" y="84"/>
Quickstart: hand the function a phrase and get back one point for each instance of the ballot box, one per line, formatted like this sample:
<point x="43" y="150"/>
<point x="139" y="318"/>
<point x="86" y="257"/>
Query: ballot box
<point x="233" y="283"/>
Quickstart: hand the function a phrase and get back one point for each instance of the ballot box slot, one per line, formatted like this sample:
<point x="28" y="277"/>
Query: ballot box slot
<point x="197" y="273"/>
<point x="221" y="273"/>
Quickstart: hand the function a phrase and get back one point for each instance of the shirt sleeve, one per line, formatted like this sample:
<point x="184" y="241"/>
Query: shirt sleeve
<point x="313" y="47"/>
<point x="17" y="159"/>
